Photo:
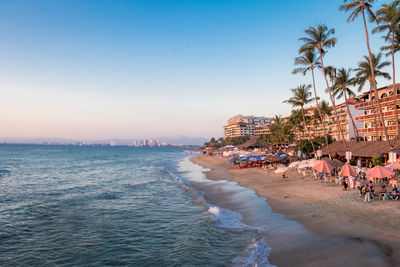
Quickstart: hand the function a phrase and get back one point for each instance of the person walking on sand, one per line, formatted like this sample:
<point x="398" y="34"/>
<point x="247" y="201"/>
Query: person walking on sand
<point x="351" y="181"/>
<point x="284" y="177"/>
<point x="367" y="196"/>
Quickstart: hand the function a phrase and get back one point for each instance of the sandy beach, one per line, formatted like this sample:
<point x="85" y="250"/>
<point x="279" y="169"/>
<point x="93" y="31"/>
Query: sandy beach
<point x="322" y="208"/>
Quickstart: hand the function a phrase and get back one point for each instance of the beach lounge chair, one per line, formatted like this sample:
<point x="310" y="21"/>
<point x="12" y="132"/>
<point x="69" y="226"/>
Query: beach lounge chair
<point x="383" y="196"/>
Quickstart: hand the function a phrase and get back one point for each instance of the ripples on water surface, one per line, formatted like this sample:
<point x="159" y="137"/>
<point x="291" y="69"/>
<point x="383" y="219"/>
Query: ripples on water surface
<point x="64" y="205"/>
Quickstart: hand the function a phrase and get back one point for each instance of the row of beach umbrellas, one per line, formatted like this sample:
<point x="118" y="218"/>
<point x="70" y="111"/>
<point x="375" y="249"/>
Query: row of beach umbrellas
<point x="259" y="158"/>
<point x="377" y="172"/>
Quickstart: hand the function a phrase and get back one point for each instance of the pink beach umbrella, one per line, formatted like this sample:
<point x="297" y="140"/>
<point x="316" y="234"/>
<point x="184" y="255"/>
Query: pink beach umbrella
<point x="347" y="171"/>
<point x="393" y="166"/>
<point x="380" y="172"/>
<point x="323" y="166"/>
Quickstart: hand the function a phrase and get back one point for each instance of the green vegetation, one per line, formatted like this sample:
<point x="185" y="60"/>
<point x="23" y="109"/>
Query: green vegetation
<point x="378" y="161"/>
<point x="235" y="141"/>
<point x="215" y="142"/>
<point x="318" y="142"/>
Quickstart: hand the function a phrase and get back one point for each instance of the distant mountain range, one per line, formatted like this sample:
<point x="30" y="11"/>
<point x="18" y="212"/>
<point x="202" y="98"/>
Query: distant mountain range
<point x="184" y="140"/>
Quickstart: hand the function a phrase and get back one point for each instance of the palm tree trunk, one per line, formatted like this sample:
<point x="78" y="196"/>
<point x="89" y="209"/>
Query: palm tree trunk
<point x="351" y="117"/>
<point x="298" y="137"/>
<point x="320" y="114"/>
<point x="374" y="81"/>
<point x="332" y="100"/>
<point x="394" y="88"/>
<point x="308" y="132"/>
<point x="375" y="109"/>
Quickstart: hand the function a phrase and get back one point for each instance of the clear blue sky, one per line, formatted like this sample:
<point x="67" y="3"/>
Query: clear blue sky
<point x="107" y="69"/>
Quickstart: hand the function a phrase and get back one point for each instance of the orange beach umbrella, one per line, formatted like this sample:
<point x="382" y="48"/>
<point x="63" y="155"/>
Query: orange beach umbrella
<point x="323" y="166"/>
<point x="347" y="171"/>
<point x="380" y="172"/>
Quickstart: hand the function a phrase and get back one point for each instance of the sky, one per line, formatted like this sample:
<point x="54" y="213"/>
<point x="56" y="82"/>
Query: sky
<point x="149" y="68"/>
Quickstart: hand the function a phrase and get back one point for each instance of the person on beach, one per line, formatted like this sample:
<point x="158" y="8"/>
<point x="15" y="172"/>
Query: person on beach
<point x="284" y="177"/>
<point x="395" y="193"/>
<point x="371" y="187"/>
<point x="367" y="193"/>
<point x="345" y="184"/>
<point x="351" y="181"/>
<point x="361" y="190"/>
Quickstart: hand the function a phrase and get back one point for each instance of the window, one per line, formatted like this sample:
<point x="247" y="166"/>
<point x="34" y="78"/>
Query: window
<point x="384" y="95"/>
<point x="373" y="98"/>
<point x="390" y="92"/>
<point x="390" y="123"/>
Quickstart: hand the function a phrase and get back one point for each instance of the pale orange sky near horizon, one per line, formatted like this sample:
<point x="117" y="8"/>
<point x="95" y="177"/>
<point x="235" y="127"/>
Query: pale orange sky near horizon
<point x="143" y="69"/>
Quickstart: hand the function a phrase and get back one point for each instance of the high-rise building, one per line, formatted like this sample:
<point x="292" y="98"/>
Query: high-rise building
<point x="240" y="125"/>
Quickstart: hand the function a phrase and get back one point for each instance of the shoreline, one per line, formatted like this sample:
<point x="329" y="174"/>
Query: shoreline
<point x="321" y="208"/>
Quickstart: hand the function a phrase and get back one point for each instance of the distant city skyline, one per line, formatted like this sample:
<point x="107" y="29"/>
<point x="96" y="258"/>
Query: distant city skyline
<point x="183" y="140"/>
<point x="131" y="69"/>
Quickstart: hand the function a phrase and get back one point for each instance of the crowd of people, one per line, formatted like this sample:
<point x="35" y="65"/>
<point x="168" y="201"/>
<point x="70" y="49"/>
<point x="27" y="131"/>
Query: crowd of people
<point x="388" y="186"/>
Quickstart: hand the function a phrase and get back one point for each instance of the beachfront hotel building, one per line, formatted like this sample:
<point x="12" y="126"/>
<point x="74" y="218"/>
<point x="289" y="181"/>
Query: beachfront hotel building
<point x="316" y="128"/>
<point x="368" y="109"/>
<point x="240" y="125"/>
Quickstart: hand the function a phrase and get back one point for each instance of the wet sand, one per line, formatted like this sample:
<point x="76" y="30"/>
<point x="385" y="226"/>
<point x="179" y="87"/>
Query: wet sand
<point x="348" y="231"/>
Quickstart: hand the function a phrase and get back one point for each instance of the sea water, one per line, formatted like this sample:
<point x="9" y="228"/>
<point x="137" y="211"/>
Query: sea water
<point x="119" y="206"/>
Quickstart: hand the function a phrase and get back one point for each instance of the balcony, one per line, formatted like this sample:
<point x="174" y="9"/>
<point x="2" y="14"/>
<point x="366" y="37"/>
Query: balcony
<point x="381" y="100"/>
<point x="371" y="116"/>
<point x="373" y="129"/>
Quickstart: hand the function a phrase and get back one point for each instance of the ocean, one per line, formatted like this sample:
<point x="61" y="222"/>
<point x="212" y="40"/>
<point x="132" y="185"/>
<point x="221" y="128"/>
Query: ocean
<point x="119" y="206"/>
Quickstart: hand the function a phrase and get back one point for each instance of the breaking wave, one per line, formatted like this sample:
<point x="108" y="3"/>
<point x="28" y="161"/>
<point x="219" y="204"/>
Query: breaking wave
<point x="257" y="251"/>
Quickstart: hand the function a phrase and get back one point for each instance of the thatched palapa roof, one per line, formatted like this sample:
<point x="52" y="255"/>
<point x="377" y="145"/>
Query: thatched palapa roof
<point x="363" y="148"/>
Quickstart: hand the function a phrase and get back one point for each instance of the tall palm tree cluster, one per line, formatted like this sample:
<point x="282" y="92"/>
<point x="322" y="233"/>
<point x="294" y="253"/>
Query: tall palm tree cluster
<point x="316" y="43"/>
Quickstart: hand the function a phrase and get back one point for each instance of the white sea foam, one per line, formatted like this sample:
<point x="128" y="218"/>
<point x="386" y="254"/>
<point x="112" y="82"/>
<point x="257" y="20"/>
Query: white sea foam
<point x="229" y="219"/>
<point x="257" y="251"/>
<point x="256" y="255"/>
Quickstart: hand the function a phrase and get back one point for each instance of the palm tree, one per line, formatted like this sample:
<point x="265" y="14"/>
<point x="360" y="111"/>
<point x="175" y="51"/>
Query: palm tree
<point x="276" y="127"/>
<point x="320" y="38"/>
<point x="389" y="15"/>
<point x="341" y="89"/>
<point x="296" y="118"/>
<point x="308" y="61"/>
<point x="360" y="7"/>
<point x="396" y="43"/>
<point x="301" y="97"/>
<point x="363" y="74"/>
<point x="331" y="73"/>
<point x="325" y="110"/>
